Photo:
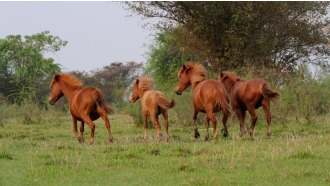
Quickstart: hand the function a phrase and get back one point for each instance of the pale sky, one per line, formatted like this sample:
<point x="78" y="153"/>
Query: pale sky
<point x="98" y="33"/>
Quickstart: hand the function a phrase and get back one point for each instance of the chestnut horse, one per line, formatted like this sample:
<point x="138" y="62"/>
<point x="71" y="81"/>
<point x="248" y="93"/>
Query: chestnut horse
<point x="153" y="104"/>
<point x="248" y="96"/>
<point x="209" y="96"/>
<point x="86" y="104"/>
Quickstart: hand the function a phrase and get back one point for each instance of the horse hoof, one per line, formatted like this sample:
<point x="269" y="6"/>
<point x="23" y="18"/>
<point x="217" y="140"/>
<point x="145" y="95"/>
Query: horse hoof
<point x="241" y="133"/>
<point x="269" y="134"/>
<point x="110" y="140"/>
<point x="225" y="133"/>
<point x="160" y="137"/>
<point x="91" y="142"/>
<point x="197" y="135"/>
<point x="146" y="138"/>
<point x="81" y="140"/>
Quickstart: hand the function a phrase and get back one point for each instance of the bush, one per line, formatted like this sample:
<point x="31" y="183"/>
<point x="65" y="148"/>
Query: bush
<point x="305" y="98"/>
<point x="135" y="111"/>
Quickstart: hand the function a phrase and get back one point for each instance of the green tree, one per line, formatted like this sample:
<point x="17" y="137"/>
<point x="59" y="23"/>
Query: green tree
<point x="24" y="71"/>
<point x="228" y="35"/>
<point x="164" y="60"/>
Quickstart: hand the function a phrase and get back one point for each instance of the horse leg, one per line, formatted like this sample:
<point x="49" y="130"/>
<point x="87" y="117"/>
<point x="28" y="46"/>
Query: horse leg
<point x="266" y="105"/>
<point x="165" y="115"/>
<point x="207" y="124"/>
<point x="82" y="129"/>
<point x="104" y="116"/>
<point x="254" y="119"/>
<point x="75" y="130"/>
<point x="92" y="126"/>
<point x="211" y="117"/>
<point x="155" y="122"/>
<point x="145" y="126"/>
<point x="224" y="123"/>
<point x="197" y="135"/>
<point x="241" y="117"/>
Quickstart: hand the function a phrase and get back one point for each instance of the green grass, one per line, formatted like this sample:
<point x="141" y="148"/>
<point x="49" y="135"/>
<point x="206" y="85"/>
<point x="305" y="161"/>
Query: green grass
<point x="47" y="153"/>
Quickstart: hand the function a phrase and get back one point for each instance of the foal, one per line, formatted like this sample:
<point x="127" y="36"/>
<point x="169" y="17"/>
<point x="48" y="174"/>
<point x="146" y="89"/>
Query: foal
<point x="209" y="96"/>
<point x="247" y="96"/>
<point x="153" y="103"/>
<point x="86" y="104"/>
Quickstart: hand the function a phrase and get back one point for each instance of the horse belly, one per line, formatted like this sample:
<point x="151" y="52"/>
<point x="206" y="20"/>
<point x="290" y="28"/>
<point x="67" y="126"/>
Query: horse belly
<point x="94" y="116"/>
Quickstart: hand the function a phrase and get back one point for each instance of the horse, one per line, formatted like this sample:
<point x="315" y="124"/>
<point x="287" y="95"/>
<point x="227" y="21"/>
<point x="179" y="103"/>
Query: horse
<point x="153" y="103"/>
<point x="86" y="104"/>
<point x="209" y="96"/>
<point x="247" y="96"/>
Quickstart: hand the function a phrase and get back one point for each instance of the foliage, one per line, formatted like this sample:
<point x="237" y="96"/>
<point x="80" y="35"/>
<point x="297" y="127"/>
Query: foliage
<point x="228" y="35"/>
<point x="24" y="71"/>
<point x="304" y="97"/>
<point x="164" y="60"/>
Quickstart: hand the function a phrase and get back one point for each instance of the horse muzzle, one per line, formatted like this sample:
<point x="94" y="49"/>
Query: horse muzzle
<point x="178" y="92"/>
<point x="51" y="101"/>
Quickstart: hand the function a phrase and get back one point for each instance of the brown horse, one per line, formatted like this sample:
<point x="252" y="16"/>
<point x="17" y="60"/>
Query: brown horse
<point x="210" y="96"/>
<point x="153" y="103"/>
<point x="86" y="104"/>
<point x="248" y="96"/>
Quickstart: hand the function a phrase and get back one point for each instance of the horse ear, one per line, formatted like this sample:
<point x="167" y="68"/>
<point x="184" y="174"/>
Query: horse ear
<point x="57" y="77"/>
<point x="221" y="75"/>
<point x="137" y="81"/>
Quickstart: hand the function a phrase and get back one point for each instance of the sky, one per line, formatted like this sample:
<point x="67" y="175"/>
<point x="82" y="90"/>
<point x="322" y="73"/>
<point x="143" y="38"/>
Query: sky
<point x="98" y="33"/>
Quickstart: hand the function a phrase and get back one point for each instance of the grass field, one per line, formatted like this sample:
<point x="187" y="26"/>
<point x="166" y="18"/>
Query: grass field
<point x="47" y="153"/>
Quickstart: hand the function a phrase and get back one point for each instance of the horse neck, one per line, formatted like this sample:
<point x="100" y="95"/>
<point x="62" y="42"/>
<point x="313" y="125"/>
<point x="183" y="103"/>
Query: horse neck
<point x="195" y="80"/>
<point x="142" y="92"/>
<point x="235" y="84"/>
<point x="68" y="90"/>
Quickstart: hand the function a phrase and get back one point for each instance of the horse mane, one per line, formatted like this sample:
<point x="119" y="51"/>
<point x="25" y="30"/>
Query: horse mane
<point x="69" y="79"/>
<point x="145" y="83"/>
<point x="198" y="72"/>
<point x="230" y="75"/>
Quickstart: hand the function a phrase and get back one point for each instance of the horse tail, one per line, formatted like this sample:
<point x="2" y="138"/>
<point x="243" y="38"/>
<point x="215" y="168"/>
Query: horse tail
<point x="222" y="100"/>
<point x="165" y="104"/>
<point x="107" y="108"/>
<point x="100" y="101"/>
<point x="267" y="92"/>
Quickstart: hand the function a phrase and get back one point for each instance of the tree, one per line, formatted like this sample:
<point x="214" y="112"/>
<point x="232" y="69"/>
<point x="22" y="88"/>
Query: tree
<point x="165" y="59"/>
<point x="228" y="35"/>
<point x="24" y="71"/>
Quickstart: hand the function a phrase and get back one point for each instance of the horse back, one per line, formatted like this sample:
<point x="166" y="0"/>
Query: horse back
<point x="211" y="92"/>
<point x="85" y="101"/>
<point x="248" y="92"/>
<point x="149" y="100"/>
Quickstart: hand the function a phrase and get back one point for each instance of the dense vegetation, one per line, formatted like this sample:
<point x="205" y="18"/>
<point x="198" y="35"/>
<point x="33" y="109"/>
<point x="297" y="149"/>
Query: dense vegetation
<point x="228" y="35"/>
<point x="281" y="42"/>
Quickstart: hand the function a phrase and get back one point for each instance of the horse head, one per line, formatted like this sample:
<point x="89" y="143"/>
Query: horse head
<point x="56" y="92"/>
<point x="135" y="92"/>
<point x="184" y="79"/>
